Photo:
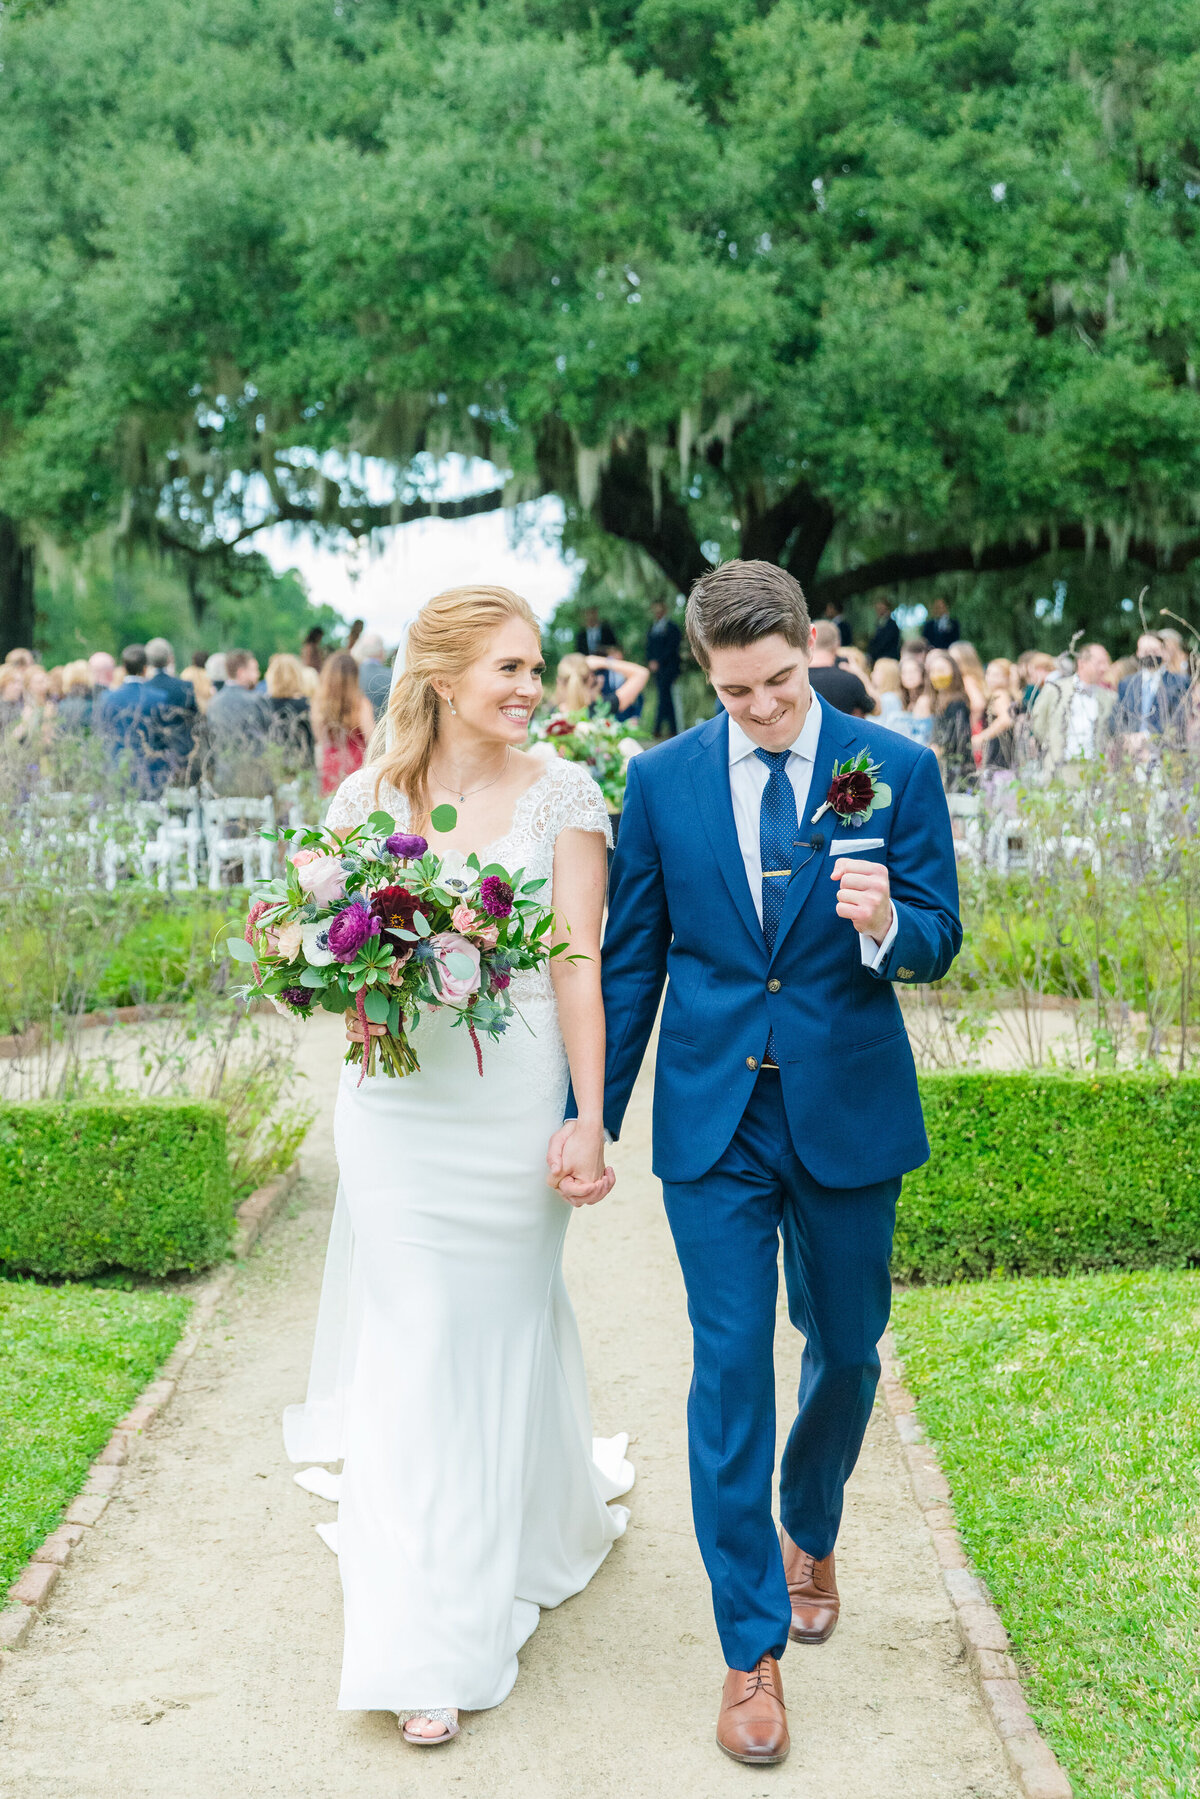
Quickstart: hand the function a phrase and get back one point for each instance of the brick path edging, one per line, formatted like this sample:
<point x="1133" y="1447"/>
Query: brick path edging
<point x="1032" y="1761"/>
<point x="32" y="1588"/>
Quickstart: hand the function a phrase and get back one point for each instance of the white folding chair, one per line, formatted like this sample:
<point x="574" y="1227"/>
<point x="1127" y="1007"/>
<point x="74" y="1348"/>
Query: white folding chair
<point x="232" y="838"/>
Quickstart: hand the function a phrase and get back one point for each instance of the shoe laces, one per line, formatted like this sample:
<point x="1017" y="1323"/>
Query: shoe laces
<point x="761" y="1680"/>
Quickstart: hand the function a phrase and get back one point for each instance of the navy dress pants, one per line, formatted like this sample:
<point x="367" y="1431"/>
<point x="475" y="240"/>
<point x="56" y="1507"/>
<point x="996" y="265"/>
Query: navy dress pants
<point x="836" y="1245"/>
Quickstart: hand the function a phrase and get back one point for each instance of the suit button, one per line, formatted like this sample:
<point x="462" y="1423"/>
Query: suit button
<point x="752" y="1063"/>
<point x="773" y="986"/>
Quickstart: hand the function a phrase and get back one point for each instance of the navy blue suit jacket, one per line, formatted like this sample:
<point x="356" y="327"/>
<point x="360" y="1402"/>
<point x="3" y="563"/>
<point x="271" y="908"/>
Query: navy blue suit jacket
<point x="680" y="911"/>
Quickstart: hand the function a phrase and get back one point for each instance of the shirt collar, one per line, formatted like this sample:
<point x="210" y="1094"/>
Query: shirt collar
<point x="804" y="746"/>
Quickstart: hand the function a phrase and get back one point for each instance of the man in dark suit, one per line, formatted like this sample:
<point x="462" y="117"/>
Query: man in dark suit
<point x="836" y="616"/>
<point x="663" y="641"/>
<point x="940" y="630"/>
<point x="1150" y="709"/>
<point x="886" y="640"/>
<point x="595" y="636"/>
<point x="174" y="725"/>
<point x="129" y="720"/>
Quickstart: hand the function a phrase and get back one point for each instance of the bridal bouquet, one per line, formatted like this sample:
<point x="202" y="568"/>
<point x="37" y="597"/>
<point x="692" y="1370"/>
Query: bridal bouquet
<point x="602" y="744"/>
<point x="376" y="923"/>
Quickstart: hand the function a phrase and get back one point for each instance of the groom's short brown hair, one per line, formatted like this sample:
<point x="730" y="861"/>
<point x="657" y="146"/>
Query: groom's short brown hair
<point x="739" y="602"/>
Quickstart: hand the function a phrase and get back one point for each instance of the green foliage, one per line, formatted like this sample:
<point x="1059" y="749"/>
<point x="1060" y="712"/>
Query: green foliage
<point x="135" y="1184"/>
<point x="882" y="293"/>
<point x="1052" y="1174"/>
<point x="1067" y="1418"/>
<point x="72" y="1361"/>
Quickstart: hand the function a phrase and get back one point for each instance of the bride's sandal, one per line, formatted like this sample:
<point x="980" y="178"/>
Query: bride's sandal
<point x="437" y="1716"/>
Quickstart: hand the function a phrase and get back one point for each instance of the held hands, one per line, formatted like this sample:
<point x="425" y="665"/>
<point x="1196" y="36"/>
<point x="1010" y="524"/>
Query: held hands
<point x="864" y="895"/>
<point x="354" y="1030"/>
<point x="575" y="1164"/>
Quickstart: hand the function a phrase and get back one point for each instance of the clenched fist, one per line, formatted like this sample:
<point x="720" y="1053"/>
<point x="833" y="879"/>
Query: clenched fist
<point x="864" y="895"/>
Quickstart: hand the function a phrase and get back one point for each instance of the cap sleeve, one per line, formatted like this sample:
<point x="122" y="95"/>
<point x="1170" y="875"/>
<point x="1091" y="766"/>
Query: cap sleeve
<point x="581" y="804"/>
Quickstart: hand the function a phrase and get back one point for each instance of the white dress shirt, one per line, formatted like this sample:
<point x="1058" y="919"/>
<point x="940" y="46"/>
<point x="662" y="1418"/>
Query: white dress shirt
<point x="748" y="777"/>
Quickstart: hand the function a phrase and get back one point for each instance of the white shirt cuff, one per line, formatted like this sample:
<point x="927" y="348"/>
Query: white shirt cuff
<point x="872" y="956"/>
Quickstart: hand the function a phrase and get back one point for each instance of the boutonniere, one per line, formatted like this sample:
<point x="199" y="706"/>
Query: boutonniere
<point x="854" y="793"/>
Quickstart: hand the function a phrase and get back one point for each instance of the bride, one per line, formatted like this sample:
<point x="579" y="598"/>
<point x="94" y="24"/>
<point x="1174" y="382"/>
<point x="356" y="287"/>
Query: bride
<point x="447" y="1369"/>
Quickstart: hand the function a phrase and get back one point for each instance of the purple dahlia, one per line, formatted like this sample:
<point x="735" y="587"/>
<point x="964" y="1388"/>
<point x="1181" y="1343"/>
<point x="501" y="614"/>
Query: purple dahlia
<point x="496" y="897"/>
<point x="300" y="997"/>
<point x="349" y="930"/>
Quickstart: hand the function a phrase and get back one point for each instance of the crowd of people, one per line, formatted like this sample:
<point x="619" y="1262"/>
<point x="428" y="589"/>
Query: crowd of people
<point x="212" y="720"/>
<point x="981" y="719"/>
<point x="316" y="709"/>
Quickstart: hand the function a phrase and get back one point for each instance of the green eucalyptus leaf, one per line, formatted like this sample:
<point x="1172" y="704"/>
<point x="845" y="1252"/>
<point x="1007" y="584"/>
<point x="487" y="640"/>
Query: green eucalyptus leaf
<point x="443" y="818"/>
<point x="458" y="965"/>
<point x="314" y="977"/>
<point x="240" y="950"/>
<point x="376" y="1007"/>
<point x="883" y="796"/>
<point x="421" y="925"/>
<point x="383" y="823"/>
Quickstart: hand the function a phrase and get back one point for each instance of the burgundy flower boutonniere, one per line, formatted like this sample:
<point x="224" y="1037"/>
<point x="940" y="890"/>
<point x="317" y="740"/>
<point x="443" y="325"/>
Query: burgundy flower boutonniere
<point x="854" y="792"/>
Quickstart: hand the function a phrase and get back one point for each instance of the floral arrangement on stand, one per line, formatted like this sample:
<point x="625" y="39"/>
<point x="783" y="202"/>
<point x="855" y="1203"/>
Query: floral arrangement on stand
<point x="377" y="924"/>
<point x="602" y="743"/>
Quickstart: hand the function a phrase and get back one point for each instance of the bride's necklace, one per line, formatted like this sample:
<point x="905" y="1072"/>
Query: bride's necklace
<point x="470" y="790"/>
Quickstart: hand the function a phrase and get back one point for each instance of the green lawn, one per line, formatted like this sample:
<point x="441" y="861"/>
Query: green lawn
<point x="1067" y="1417"/>
<point x="72" y="1361"/>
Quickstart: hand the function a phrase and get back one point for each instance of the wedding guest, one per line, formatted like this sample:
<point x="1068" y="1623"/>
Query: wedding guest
<point x="1072" y="716"/>
<point x="970" y="666"/>
<point x="997" y="741"/>
<point x="374" y="675"/>
<point x="915" y="720"/>
<point x="215" y="669"/>
<point x="851" y="657"/>
<point x="127" y="718"/>
<point x="888" y="692"/>
<point x="950" y="740"/>
<point x="343" y="720"/>
<point x="19" y="658"/>
<point x="664" y="642"/>
<point x="198" y="680"/>
<point x="595" y="636"/>
<point x="1150" y="709"/>
<point x="75" y="708"/>
<point x="291" y="716"/>
<point x="1174" y="652"/>
<point x="101" y="667"/>
<point x="940" y="630"/>
<point x="588" y="683"/>
<point x="312" y="651"/>
<point x="840" y="686"/>
<point x="885" y="640"/>
<point x="12" y="698"/>
<point x="836" y="616"/>
<point x="238" y="721"/>
<point x="175" y="723"/>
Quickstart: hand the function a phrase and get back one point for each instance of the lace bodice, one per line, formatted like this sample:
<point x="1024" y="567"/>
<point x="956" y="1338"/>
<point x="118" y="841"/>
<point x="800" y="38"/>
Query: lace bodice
<point x="566" y="798"/>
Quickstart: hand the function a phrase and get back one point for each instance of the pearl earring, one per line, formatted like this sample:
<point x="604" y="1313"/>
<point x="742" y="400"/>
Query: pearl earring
<point x="452" y="707"/>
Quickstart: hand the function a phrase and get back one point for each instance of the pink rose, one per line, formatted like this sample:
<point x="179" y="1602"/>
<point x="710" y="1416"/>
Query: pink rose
<point x="487" y="936"/>
<point x="322" y="877"/>
<point x="462" y="918"/>
<point x="460" y="984"/>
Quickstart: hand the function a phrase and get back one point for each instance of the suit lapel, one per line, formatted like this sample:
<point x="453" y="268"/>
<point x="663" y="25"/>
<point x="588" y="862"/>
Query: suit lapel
<point x="834" y="743"/>
<point x="714" y="801"/>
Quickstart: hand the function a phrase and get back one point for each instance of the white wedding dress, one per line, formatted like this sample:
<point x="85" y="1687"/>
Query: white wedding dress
<point x="447" y="1369"/>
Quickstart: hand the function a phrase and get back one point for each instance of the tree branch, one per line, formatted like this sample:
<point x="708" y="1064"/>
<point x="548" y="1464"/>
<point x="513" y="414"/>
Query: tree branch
<point x="358" y="520"/>
<point x="625" y="508"/>
<point x="944" y="559"/>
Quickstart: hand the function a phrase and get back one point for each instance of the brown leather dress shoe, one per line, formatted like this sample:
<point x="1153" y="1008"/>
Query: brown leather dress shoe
<point x="812" y="1588"/>
<point x="752" y="1726"/>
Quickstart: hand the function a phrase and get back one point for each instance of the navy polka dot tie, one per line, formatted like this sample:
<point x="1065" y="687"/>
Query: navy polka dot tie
<point x="778" y="828"/>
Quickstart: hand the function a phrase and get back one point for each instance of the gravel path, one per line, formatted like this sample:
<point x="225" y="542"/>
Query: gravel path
<point x="191" y="1649"/>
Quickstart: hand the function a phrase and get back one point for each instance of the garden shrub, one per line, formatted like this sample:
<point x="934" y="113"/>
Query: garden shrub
<point x="133" y="1183"/>
<point x="1052" y="1174"/>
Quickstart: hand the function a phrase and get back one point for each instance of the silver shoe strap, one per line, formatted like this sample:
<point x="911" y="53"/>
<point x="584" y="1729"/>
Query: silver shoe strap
<point x="435" y="1716"/>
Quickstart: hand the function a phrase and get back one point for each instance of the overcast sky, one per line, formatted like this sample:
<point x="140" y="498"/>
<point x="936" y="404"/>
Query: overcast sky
<point x="385" y="581"/>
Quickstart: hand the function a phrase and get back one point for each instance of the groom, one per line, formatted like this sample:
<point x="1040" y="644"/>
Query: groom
<point x="779" y="904"/>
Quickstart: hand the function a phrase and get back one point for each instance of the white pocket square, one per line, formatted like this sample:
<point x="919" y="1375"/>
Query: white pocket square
<point x="854" y="846"/>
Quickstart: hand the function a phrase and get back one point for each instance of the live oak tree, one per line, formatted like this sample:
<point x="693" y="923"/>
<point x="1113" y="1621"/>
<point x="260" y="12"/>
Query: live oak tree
<point x="881" y="293"/>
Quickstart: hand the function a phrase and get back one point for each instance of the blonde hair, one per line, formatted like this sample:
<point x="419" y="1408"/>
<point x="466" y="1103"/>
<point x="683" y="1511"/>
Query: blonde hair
<point x="76" y="677"/>
<point x="449" y="633"/>
<point x="201" y="685"/>
<point x="285" y="677"/>
<point x="886" y="675"/>
<point x="575" y="678"/>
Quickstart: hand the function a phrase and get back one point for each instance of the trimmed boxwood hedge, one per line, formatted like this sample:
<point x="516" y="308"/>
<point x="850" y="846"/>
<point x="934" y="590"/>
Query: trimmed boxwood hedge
<point x="1052" y="1174"/>
<point x="136" y="1184"/>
